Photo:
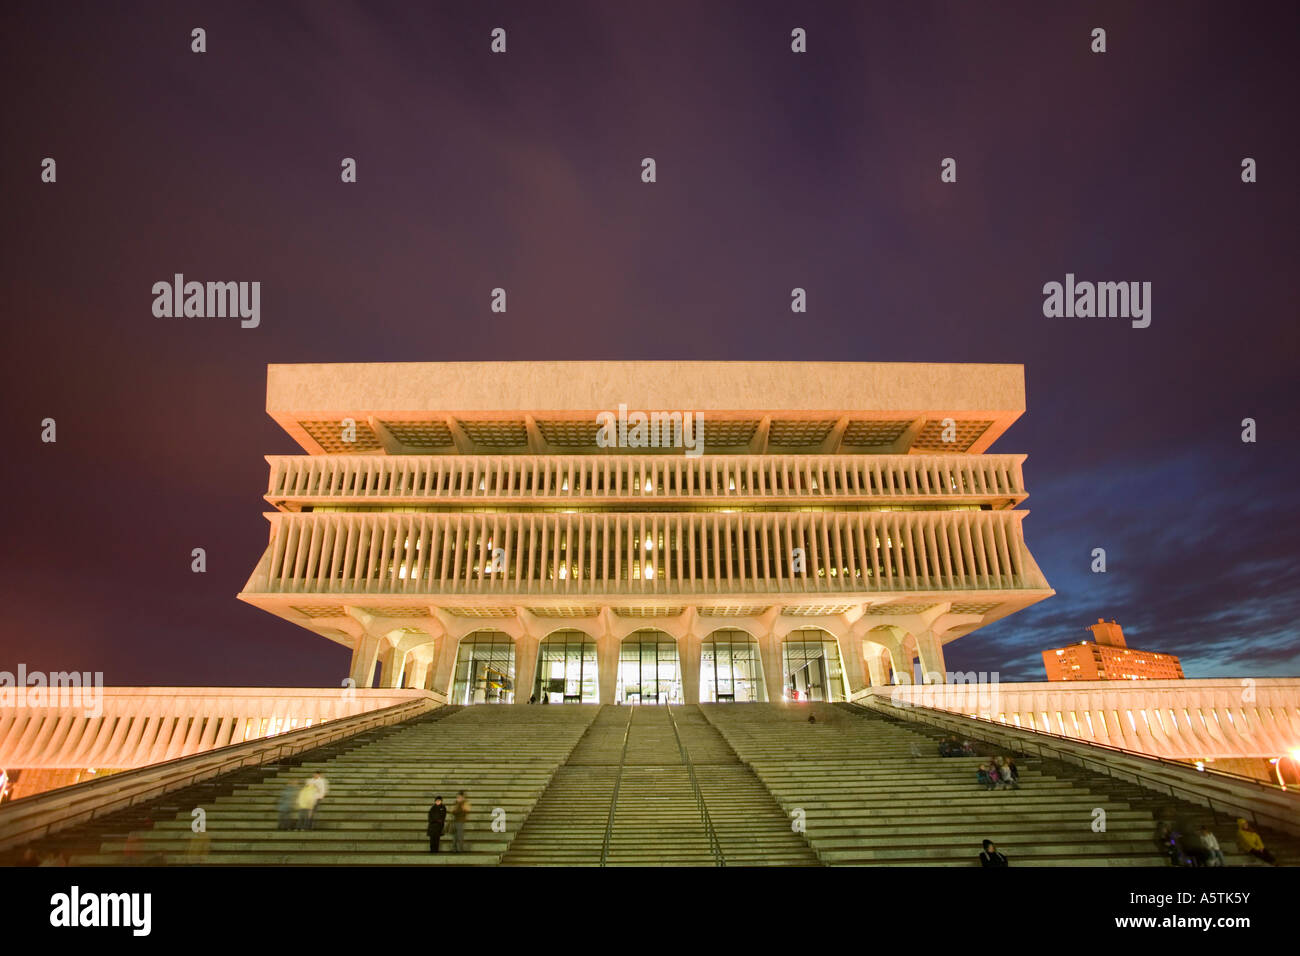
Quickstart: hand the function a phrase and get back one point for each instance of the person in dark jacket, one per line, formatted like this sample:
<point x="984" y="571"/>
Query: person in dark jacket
<point x="990" y="855"/>
<point x="437" y="818"/>
<point x="1188" y="841"/>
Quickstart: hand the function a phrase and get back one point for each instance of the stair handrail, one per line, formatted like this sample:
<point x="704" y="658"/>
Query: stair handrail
<point x="986" y="730"/>
<point x="37" y="816"/>
<point x="715" y="847"/>
<point x="618" y="781"/>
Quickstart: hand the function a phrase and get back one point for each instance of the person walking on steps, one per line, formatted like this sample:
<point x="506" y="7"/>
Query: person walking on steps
<point x="459" y="817"/>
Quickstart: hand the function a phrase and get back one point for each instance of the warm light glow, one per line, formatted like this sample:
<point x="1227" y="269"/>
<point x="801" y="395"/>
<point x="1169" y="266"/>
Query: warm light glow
<point x="649" y="544"/>
<point x="649" y="571"/>
<point x="564" y="571"/>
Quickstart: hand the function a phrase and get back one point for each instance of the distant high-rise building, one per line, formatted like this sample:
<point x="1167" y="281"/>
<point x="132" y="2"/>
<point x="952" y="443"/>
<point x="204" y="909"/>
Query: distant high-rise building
<point x="1110" y="658"/>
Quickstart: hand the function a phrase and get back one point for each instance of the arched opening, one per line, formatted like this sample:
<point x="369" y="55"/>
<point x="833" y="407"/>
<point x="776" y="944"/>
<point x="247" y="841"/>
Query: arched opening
<point x="731" y="668"/>
<point x="811" y="663"/>
<point x="566" y="669"/>
<point x="648" y="670"/>
<point x="485" y="669"/>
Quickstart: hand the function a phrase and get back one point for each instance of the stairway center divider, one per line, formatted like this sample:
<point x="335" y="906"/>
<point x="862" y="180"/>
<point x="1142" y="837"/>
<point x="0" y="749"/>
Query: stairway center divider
<point x="714" y="846"/>
<point x="618" y="780"/>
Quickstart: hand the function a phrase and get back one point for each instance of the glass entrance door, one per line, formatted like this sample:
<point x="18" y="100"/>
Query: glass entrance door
<point x="566" y="669"/>
<point x="731" y="668"/>
<point x="485" y="669"/>
<point x="648" y="671"/>
<point x="812" y="666"/>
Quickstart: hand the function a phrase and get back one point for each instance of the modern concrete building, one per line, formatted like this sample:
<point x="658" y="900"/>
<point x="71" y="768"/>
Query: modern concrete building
<point x="645" y="531"/>
<point x="1109" y="658"/>
<point x="601" y="533"/>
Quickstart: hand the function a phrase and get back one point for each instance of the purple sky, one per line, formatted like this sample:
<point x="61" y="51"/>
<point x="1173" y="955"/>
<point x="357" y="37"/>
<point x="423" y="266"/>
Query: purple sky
<point x="775" y="170"/>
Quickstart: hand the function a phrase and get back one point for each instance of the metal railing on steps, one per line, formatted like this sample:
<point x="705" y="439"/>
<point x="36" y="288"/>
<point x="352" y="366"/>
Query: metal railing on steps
<point x="714" y="846"/>
<point x="618" y="780"/>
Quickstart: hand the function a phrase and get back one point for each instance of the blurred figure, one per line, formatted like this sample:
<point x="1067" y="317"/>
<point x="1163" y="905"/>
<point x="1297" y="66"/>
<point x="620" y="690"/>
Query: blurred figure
<point x="437" y="818"/>
<point x="1214" y="854"/>
<point x="311" y="794"/>
<point x="286" y="806"/>
<point x="459" y="817"/>
<point x="1005" y="778"/>
<point x="983" y="778"/>
<point x="1013" y="772"/>
<point x="1164" y="840"/>
<point x="196" y="851"/>
<point x="1188" y="840"/>
<point x="1251" y="842"/>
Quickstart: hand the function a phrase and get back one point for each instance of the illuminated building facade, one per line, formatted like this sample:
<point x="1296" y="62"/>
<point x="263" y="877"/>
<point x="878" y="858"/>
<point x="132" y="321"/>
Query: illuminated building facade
<point x="644" y="531"/>
<point x="1109" y="658"/>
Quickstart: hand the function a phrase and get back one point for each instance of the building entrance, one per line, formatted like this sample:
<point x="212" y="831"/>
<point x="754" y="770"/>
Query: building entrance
<point x="566" y="669"/>
<point x="812" y="667"/>
<point x="648" y="671"/>
<point x="485" y="670"/>
<point x="731" y="668"/>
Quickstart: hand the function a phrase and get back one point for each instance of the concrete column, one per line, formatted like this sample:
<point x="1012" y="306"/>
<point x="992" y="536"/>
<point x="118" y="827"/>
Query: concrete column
<point x="418" y="672"/>
<point x="607" y="648"/>
<point x="444" y="666"/>
<point x="876" y="666"/>
<point x="855" y="677"/>
<point x="901" y="663"/>
<point x="901" y="659"/>
<point x="773" y="667"/>
<point x="364" y="656"/>
<point x="526" y="649"/>
<point x="391" y="675"/>
<point x="930" y="651"/>
<point x="688" y="656"/>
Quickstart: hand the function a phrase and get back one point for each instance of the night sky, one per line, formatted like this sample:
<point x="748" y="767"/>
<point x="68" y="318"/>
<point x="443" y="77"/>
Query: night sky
<point x="522" y="171"/>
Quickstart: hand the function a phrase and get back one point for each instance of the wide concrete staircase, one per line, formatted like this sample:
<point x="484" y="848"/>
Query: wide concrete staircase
<point x="1162" y="806"/>
<point x="379" y="794"/>
<point x="874" y="792"/>
<point x="657" y="820"/>
<point x="751" y="827"/>
<point x="567" y="827"/>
